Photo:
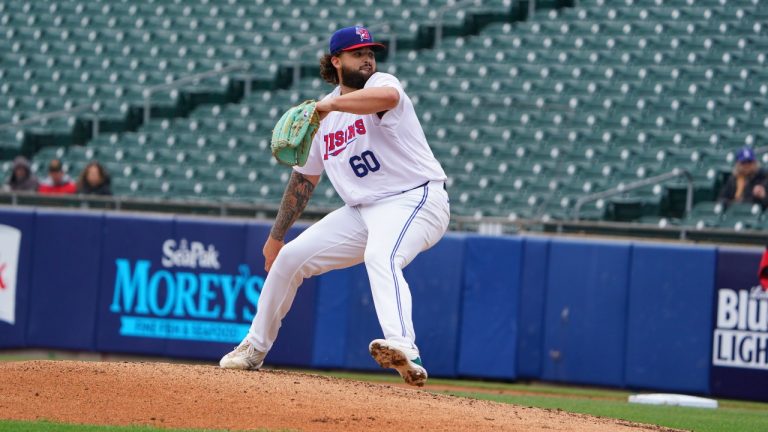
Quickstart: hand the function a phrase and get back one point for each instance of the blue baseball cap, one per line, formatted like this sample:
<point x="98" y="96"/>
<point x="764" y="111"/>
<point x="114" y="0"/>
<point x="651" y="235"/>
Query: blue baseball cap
<point x="746" y="154"/>
<point x="351" y="38"/>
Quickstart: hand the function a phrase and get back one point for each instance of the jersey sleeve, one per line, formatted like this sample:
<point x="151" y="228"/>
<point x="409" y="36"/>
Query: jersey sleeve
<point x="391" y="117"/>
<point x="314" y="165"/>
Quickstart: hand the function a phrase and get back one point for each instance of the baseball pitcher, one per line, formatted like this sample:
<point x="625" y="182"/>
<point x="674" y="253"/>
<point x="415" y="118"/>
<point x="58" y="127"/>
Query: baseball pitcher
<point x="371" y="146"/>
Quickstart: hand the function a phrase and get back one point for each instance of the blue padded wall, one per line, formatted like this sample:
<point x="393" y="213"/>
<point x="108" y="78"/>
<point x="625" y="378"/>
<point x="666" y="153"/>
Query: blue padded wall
<point x="586" y="312"/>
<point x="489" y="310"/>
<point x="533" y="288"/>
<point x="332" y="318"/>
<point x="669" y="321"/>
<point x="65" y="285"/>
<point x="14" y="336"/>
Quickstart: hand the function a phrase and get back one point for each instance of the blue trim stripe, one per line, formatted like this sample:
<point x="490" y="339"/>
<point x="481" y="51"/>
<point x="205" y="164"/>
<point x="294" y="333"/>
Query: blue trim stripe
<point x="394" y="252"/>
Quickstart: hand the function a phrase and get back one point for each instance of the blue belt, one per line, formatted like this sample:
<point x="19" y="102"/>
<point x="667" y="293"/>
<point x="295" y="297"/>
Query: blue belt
<point x="422" y="185"/>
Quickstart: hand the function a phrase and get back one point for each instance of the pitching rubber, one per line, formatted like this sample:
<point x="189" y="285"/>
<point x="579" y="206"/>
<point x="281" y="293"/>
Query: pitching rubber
<point x="389" y="357"/>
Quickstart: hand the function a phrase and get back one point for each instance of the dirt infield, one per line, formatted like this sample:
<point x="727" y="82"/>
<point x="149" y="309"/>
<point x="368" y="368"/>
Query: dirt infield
<point x="174" y="395"/>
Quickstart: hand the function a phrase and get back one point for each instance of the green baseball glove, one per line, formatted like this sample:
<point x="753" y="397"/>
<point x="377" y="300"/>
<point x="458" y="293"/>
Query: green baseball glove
<point x="293" y="133"/>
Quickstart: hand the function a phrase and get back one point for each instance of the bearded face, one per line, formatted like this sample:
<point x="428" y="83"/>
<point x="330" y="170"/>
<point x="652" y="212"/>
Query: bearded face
<point x="356" y="67"/>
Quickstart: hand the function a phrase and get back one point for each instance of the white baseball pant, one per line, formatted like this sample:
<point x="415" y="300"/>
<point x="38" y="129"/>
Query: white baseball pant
<point x="386" y="235"/>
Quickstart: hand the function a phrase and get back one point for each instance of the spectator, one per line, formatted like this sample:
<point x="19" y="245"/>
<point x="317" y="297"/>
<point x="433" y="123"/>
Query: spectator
<point x="57" y="182"/>
<point x="94" y="180"/>
<point x="22" y="178"/>
<point x="747" y="183"/>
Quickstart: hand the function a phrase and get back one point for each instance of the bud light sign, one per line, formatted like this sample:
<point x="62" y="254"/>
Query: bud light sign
<point x="188" y="297"/>
<point x="740" y="337"/>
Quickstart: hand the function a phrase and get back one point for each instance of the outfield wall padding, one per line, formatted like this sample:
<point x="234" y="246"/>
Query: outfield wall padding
<point x="531" y="306"/>
<point x="492" y="268"/>
<point x="670" y="299"/>
<point x="585" y="312"/>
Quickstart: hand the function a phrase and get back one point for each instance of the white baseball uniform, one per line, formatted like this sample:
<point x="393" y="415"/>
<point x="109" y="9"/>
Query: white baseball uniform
<point x="396" y="206"/>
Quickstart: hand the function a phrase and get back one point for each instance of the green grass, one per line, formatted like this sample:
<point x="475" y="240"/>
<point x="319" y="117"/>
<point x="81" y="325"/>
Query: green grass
<point x="45" y="426"/>
<point x="696" y="419"/>
<point x="731" y="416"/>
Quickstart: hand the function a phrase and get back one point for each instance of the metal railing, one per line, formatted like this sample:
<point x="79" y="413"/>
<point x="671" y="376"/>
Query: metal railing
<point x="57" y="114"/>
<point x="299" y="53"/>
<point x="458" y="223"/>
<point x="669" y="231"/>
<point x="127" y="203"/>
<point x="190" y="79"/>
<point x="47" y="116"/>
<point x="441" y="19"/>
<point x="650" y="181"/>
<point x="93" y="108"/>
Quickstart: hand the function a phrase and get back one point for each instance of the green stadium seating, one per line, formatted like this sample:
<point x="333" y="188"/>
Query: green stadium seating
<point x="525" y="117"/>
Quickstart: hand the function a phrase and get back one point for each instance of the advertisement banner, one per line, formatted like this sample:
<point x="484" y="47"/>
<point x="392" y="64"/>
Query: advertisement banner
<point x="188" y="288"/>
<point x="740" y="333"/>
<point x="169" y="286"/>
<point x="10" y="244"/>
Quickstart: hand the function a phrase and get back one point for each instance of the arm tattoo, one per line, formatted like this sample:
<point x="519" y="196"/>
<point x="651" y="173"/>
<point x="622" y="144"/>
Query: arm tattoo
<point x="294" y="201"/>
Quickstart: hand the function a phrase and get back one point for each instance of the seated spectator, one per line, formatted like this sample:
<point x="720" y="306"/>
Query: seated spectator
<point x="22" y="178"/>
<point x="94" y="180"/>
<point x="747" y="183"/>
<point x="57" y="182"/>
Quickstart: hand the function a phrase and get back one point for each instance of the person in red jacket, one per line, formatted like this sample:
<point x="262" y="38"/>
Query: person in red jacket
<point x="57" y="182"/>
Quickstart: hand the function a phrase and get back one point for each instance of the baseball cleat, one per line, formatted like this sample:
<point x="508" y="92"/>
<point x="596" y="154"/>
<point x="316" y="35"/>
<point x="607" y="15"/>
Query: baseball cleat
<point x="405" y="361"/>
<point x="244" y="357"/>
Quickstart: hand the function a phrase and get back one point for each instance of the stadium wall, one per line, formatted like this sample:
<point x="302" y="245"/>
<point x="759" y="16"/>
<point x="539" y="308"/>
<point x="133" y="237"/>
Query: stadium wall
<point x="669" y="317"/>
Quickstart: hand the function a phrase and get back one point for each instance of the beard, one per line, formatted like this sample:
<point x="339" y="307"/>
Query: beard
<point x="355" y="79"/>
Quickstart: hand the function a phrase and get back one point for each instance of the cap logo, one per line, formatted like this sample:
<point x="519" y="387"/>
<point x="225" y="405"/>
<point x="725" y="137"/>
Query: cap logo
<point x="363" y="33"/>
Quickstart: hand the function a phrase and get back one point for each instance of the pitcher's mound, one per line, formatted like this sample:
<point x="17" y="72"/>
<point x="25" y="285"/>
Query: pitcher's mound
<point x="186" y="396"/>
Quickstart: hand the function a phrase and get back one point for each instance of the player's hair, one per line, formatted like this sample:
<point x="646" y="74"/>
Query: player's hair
<point x="327" y="71"/>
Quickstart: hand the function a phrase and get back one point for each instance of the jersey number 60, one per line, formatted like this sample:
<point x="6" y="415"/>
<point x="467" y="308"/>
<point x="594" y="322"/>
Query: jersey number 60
<point x="364" y="163"/>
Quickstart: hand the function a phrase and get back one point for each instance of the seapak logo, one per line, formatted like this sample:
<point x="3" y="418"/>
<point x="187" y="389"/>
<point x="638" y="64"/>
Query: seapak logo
<point x="741" y="336"/>
<point x="171" y="302"/>
<point x="189" y="254"/>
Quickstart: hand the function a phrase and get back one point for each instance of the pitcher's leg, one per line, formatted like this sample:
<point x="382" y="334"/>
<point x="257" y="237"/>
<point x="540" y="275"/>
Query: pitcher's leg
<point x="398" y="229"/>
<point x="322" y="247"/>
